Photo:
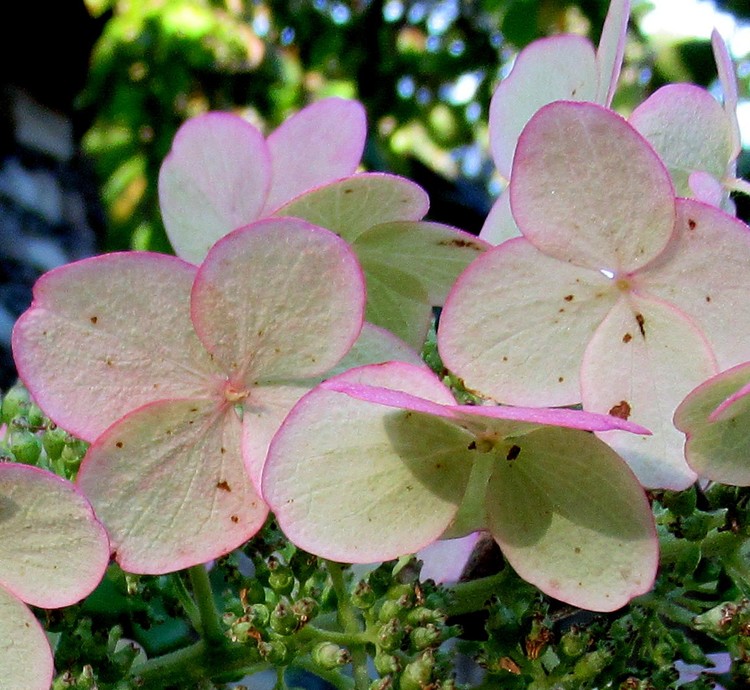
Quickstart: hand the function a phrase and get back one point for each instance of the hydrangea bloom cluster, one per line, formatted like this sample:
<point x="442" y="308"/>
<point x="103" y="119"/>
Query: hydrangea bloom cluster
<point x="272" y="365"/>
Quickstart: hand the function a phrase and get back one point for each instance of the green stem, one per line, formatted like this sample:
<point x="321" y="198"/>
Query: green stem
<point x="472" y="595"/>
<point x="351" y="625"/>
<point x="197" y="662"/>
<point x="664" y="606"/>
<point x="186" y="601"/>
<point x="210" y="621"/>
<point x="335" y="678"/>
<point x="311" y="633"/>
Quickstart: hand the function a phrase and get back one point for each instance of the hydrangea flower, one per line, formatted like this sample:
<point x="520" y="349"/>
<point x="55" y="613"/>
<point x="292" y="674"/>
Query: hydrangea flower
<point x="53" y="553"/>
<point x="618" y="295"/>
<point x="381" y="461"/>
<point x="697" y="138"/>
<point x="715" y="417"/>
<point x="222" y="174"/>
<point x="179" y="376"/>
<point x="564" y="67"/>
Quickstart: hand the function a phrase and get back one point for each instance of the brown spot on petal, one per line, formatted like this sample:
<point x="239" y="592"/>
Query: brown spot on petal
<point x="692" y="224"/>
<point x="222" y="450"/>
<point x="708" y="298"/>
<point x="235" y="519"/>
<point x="627" y="338"/>
<point x="223" y="485"/>
<point x="577" y="549"/>
<point x="560" y="379"/>
<point x="568" y="298"/>
<point x="513" y="452"/>
<point x="119" y="444"/>
<point x="348" y="190"/>
<point x="641" y="324"/>
<point x="621" y="410"/>
<point x="93" y="319"/>
<point x="458" y="242"/>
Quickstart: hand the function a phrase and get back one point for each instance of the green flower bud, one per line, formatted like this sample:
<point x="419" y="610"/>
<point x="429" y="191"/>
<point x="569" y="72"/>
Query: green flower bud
<point x="396" y="592"/>
<point x="389" y="610"/>
<point x="240" y="631"/>
<point x="425" y="636"/>
<point x="591" y="665"/>
<point x="421" y="615"/>
<point x="87" y="679"/>
<point x="363" y="596"/>
<point x="386" y="664"/>
<point x="574" y="643"/>
<point x="719" y="621"/>
<point x="54" y="441"/>
<point x="283" y="619"/>
<point x="416" y="675"/>
<point x="274" y="652"/>
<point x="329" y="656"/>
<point x="391" y="635"/>
<point x="258" y="615"/>
<point x="15" y="404"/>
<point x="281" y="579"/>
<point x="26" y="446"/>
<point x="305" y="609"/>
<point x="36" y="417"/>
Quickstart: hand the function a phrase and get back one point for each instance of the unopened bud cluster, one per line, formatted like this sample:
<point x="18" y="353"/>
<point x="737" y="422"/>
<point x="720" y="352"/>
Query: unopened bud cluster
<point x="32" y="439"/>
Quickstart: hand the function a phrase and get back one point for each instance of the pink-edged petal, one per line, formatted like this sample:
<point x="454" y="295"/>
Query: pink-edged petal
<point x="215" y="179"/>
<point x="500" y="224"/>
<point x="572" y="519"/>
<point x="169" y="484"/>
<point x="588" y="189"/>
<point x="482" y="418"/>
<point x="705" y="187"/>
<point x="357" y="482"/>
<point x="262" y="415"/>
<point x="433" y="253"/>
<point x="350" y="206"/>
<point x="704" y="272"/>
<point x="267" y="406"/>
<point x="445" y="560"/>
<point x="25" y="657"/>
<point x="319" y="144"/>
<point x="53" y="552"/>
<point x="611" y="49"/>
<point x="689" y="130"/>
<point x="732" y="405"/>
<point x="718" y="445"/>
<point x="397" y="301"/>
<point x="728" y="80"/>
<point x="642" y="361"/>
<point x="550" y="69"/>
<point x="106" y="335"/>
<point x="278" y="299"/>
<point x="493" y="435"/>
<point x="373" y="346"/>
<point x="516" y="323"/>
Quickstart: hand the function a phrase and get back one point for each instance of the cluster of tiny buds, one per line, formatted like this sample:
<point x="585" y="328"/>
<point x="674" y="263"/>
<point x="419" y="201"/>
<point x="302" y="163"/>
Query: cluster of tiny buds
<point x="32" y="439"/>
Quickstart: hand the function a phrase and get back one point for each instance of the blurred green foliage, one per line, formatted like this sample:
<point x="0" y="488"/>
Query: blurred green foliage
<point x="425" y="70"/>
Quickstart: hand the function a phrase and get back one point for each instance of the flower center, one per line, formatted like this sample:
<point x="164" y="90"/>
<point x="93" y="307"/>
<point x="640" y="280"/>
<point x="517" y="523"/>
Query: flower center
<point x="234" y="394"/>
<point x="623" y="284"/>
